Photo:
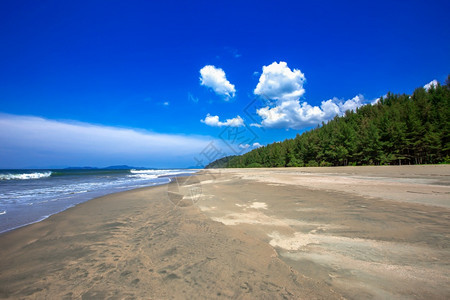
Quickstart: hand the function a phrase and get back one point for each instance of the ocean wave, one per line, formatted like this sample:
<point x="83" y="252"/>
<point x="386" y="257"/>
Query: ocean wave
<point x="23" y="202"/>
<point x="133" y="171"/>
<point x="147" y="174"/>
<point x="88" y="172"/>
<point x="143" y="176"/>
<point x="25" y="176"/>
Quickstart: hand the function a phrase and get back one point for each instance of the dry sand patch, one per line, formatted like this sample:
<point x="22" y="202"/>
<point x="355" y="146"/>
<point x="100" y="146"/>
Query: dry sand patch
<point x="367" y="232"/>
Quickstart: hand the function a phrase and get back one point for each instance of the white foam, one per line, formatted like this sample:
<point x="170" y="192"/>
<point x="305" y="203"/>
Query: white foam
<point x="143" y="176"/>
<point x="57" y="193"/>
<point x="152" y="174"/>
<point x="142" y="171"/>
<point x="25" y="176"/>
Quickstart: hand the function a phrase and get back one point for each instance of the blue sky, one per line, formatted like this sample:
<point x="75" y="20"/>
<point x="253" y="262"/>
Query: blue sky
<point x="78" y="77"/>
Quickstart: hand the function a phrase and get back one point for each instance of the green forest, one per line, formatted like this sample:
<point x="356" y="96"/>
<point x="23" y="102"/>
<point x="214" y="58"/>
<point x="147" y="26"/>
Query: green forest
<point x="398" y="130"/>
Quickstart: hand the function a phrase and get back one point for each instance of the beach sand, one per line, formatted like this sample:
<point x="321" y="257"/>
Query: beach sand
<point x="296" y="233"/>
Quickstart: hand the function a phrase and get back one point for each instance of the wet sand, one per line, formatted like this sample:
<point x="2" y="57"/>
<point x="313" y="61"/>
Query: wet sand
<point x="297" y="233"/>
<point x="144" y="244"/>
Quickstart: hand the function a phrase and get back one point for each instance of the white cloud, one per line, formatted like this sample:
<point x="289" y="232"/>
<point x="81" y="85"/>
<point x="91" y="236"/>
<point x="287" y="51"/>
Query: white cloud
<point x="244" y="146"/>
<point x="248" y="146"/>
<point x="215" y="78"/>
<point x="279" y="82"/>
<point x="256" y="125"/>
<point x="214" y="121"/>
<point x="429" y="85"/>
<point x="28" y="141"/>
<point x="296" y="115"/>
<point x="166" y="103"/>
<point x="350" y="104"/>
<point x="375" y="101"/>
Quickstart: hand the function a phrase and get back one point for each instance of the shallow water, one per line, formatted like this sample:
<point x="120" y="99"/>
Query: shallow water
<point x="29" y="196"/>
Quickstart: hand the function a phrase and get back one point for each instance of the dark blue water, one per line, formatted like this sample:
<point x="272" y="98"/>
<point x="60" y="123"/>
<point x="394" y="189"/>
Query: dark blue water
<point x="29" y="196"/>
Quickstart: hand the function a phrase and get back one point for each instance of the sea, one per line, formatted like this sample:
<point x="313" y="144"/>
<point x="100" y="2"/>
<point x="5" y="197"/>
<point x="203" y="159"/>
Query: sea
<point x="30" y="196"/>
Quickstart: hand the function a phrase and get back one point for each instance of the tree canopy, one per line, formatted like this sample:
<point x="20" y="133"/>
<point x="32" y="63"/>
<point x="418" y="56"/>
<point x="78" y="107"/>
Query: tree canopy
<point x="398" y="129"/>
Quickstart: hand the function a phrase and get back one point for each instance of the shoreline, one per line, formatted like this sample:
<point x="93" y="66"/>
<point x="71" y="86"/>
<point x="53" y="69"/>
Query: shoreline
<point x="317" y="170"/>
<point x="139" y="244"/>
<point x="43" y="218"/>
<point x="13" y="223"/>
<point x="72" y="206"/>
<point x="243" y="233"/>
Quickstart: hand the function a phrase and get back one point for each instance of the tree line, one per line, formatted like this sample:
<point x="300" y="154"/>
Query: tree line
<point x="397" y="130"/>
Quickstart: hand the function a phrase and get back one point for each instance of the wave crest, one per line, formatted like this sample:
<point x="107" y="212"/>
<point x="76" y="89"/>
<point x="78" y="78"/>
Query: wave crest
<point x="151" y="174"/>
<point x="25" y="176"/>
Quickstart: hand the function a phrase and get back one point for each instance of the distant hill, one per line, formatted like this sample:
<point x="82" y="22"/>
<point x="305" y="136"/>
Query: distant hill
<point x="397" y="130"/>
<point x="81" y="168"/>
<point x="220" y="163"/>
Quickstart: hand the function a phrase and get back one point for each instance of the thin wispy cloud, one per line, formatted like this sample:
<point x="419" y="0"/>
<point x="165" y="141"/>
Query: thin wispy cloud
<point x="29" y="140"/>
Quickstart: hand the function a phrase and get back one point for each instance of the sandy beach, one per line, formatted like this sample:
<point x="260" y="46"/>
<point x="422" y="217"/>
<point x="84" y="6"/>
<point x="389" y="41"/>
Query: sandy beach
<point x="295" y="233"/>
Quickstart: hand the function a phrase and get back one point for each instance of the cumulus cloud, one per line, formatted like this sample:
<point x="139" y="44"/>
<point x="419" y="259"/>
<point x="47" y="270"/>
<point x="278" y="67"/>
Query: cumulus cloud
<point x="215" y="122"/>
<point x="431" y="84"/>
<point x="257" y="145"/>
<point x="285" y="86"/>
<point x="28" y="141"/>
<point x="296" y="115"/>
<point x="215" y="78"/>
<point x="279" y="82"/>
